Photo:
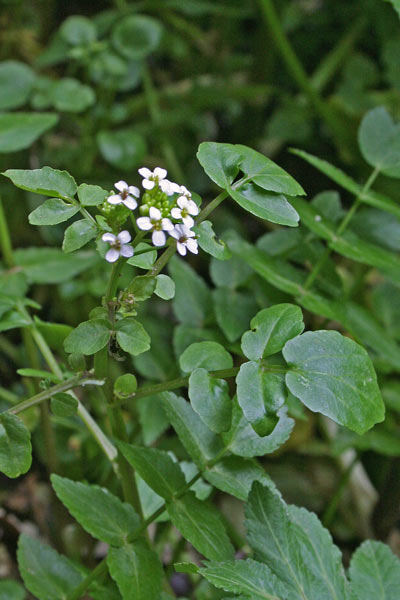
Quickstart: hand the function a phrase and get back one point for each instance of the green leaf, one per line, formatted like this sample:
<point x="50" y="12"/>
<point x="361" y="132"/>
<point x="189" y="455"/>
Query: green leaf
<point x="78" y="30"/>
<point x="207" y="355"/>
<point x="88" y="338"/>
<point x="137" y="571"/>
<point x="38" y="373"/>
<point x="379" y="141"/>
<point x="266" y="205"/>
<point x="242" y="440"/>
<point x="235" y="476"/>
<point x="396" y="5"/>
<point x="15" y="446"/>
<point x="145" y="260"/>
<point x="47" y="574"/>
<point x="52" y="212"/>
<point x="209" y="243"/>
<point x="19" y="130"/>
<point x="78" y="234"/>
<point x="152" y="418"/>
<point x="165" y="287"/>
<point x="201" y="525"/>
<point x="201" y="443"/>
<point x="70" y="95"/>
<point x="11" y="590"/>
<point x="192" y="297"/>
<point x="52" y="265"/>
<point x="64" y="405"/>
<point x="210" y="399"/>
<point x="125" y="385"/>
<point x="271" y="328"/>
<point x="266" y="174"/>
<point x="16" y="80"/>
<point x="333" y="375"/>
<point x="46" y="181"/>
<point x="233" y="311"/>
<point x="100" y="513"/>
<point x="295" y="546"/>
<point x="123" y="149"/>
<point x="220" y="162"/>
<point x="229" y="274"/>
<point x="91" y="195"/>
<point x="249" y="577"/>
<point x="132" y="337"/>
<point x="374" y="572"/>
<point x="136" y="36"/>
<point x="142" y="287"/>
<point x="156" y="468"/>
<point x="372" y="198"/>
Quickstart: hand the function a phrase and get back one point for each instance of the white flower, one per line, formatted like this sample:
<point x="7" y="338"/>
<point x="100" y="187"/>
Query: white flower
<point x="186" y="208"/>
<point x="184" y="237"/>
<point x="118" y="245"/>
<point x="169" y="187"/>
<point x="126" y="195"/>
<point x="151" y="178"/>
<point x="157" y="224"/>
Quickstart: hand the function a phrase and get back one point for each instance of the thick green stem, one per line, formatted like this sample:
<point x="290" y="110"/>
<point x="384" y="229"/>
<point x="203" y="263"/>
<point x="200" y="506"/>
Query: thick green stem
<point x="5" y="241"/>
<point x="331" y="509"/>
<point x="211" y="206"/>
<point x="113" y="281"/>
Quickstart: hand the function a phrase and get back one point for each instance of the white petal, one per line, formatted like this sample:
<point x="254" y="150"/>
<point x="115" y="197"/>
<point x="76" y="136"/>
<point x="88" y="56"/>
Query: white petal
<point x="130" y="202"/>
<point x="192" y="207"/>
<point x="182" y="202"/>
<point x="144" y="223"/>
<point x="155" y="214"/>
<point x="134" y="191"/>
<point x="124" y="237"/>
<point x="158" y="238"/>
<point x="175" y="233"/>
<point x="165" y="186"/>
<point x="188" y="221"/>
<point x="108" y="237"/>
<point x="175" y="188"/>
<point x="121" y="185"/>
<point x="114" y="199"/>
<point x="147" y="184"/>
<point x="160" y="173"/>
<point x="192" y="246"/>
<point x="176" y="213"/>
<point x="181" y="249"/>
<point x="145" y="172"/>
<point x="189" y="233"/>
<point x="112" y="255"/>
<point x="167" y="225"/>
<point x="127" y="251"/>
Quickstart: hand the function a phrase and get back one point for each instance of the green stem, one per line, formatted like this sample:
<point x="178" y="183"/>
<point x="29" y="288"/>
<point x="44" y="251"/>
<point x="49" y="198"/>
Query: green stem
<point x="211" y="206"/>
<point x="341" y="228"/>
<point x="113" y="281"/>
<point x="5" y="241"/>
<point x="64" y="386"/>
<point x="162" y="261"/>
<point x="330" y="511"/>
<point x="96" y="574"/>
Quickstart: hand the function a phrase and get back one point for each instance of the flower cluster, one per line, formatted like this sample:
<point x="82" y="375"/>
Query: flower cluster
<point x="166" y="208"/>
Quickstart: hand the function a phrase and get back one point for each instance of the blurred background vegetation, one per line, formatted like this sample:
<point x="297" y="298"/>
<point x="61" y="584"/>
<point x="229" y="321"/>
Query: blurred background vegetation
<point x="103" y="88"/>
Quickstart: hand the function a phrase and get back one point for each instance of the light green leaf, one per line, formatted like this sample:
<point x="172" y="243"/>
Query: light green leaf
<point x="19" y="130"/>
<point x="52" y="265"/>
<point x="137" y="570"/>
<point x="210" y="399"/>
<point x="333" y="375"/>
<point x="266" y="174"/>
<point x="70" y="95"/>
<point x="52" y="212"/>
<point x="207" y="355"/>
<point x="78" y="30"/>
<point x="201" y="443"/>
<point x="152" y="417"/>
<point x="242" y="440"/>
<point x="47" y="574"/>
<point x="233" y="311"/>
<point x="192" y="297"/>
<point x="123" y="149"/>
<point x="91" y="195"/>
<point x="132" y="336"/>
<point x="38" y="373"/>
<point x="209" y="243"/>
<point x="249" y="577"/>
<point x="374" y="572"/>
<point x="79" y="234"/>
<point x="220" y="162"/>
<point x="11" y="590"/>
<point x="379" y="141"/>
<point x="165" y="287"/>
<point x="235" y="476"/>
<point x="266" y="205"/>
<point x="125" y="385"/>
<point x="201" y="525"/>
<point x="46" y="181"/>
<point x="15" y="446"/>
<point x="88" y="338"/>
<point x="271" y="328"/>
<point x="145" y="260"/>
<point x="100" y="513"/>
<point x="156" y="468"/>
<point x="295" y="546"/>
<point x="16" y="80"/>
<point x="136" y="36"/>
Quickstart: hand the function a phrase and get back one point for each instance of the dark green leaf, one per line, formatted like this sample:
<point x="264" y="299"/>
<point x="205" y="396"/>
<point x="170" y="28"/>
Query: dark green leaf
<point x="16" y="80"/>
<point x="11" y="590"/>
<point x="137" y="571"/>
<point x="125" y="385"/>
<point x="210" y="398"/>
<point x="46" y="181"/>
<point x="207" y="355"/>
<point x="165" y="287"/>
<point x="132" y="337"/>
<point x="266" y="205"/>
<point x="136" y="36"/>
<point x="78" y="30"/>
<point x="91" y="195"/>
<point x="19" y="130"/>
<point x="123" y="149"/>
<point x="209" y="242"/>
<point x="374" y="572"/>
<point x="15" y="446"/>
<point x="233" y="311"/>
<point x="70" y="95"/>
<point x="192" y="297"/>
<point x="220" y="162"/>
<point x="52" y="212"/>
<point x="235" y="476"/>
<point x="51" y="265"/>
<point x="79" y="234"/>
<point x="89" y="337"/>
<point x="64" y="405"/>
<point x="379" y="141"/>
